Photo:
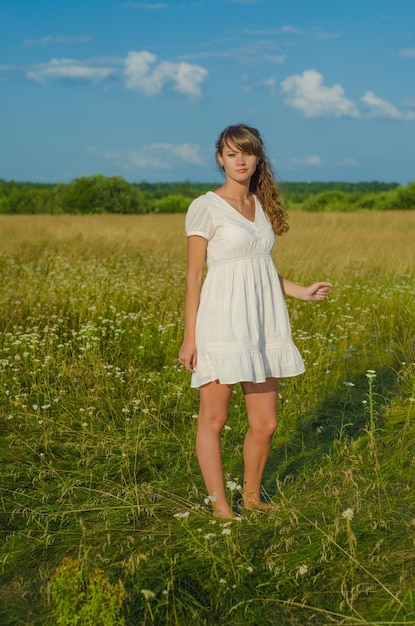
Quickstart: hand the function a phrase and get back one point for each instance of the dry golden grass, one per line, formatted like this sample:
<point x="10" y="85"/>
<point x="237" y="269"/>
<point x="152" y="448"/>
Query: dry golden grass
<point x="328" y="243"/>
<point x="121" y="233"/>
<point x="340" y="243"/>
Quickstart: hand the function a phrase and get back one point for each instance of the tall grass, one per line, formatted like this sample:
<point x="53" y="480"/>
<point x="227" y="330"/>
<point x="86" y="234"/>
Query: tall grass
<point x="102" y="511"/>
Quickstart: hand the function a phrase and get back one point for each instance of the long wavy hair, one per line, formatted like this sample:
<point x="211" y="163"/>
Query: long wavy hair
<point x="262" y="183"/>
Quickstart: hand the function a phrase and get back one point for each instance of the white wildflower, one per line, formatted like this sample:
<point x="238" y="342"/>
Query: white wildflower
<point x="347" y="384"/>
<point x="232" y="485"/>
<point x="250" y="569"/>
<point x="348" y="514"/>
<point x="209" y="536"/>
<point x="303" y="569"/>
<point x="184" y="514"/>
<point x="226" y="531"/>
<point x="211" y="498"/>
<point x="148" y="595"/>
<point x="222" y="581"/>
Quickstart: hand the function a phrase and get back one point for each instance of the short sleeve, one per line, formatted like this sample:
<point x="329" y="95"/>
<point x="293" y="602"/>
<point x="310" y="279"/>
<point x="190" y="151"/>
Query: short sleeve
<point x="199" y="219"/>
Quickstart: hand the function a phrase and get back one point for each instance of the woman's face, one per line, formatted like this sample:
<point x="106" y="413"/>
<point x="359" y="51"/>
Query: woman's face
<point x="238" y="165"/>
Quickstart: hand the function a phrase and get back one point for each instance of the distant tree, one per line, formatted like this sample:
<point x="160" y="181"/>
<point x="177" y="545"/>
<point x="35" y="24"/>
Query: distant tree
<point x="297" y="192"/>
<point x="327" y="201"/>
<point x="99" y="194"/>
<point x="173" y="203"/>
<point x="405" y="197"/>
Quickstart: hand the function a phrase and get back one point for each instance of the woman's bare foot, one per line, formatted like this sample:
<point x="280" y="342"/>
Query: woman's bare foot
<point x="224" y="512"/>
<point x="259" y="506"/>
<point x="255" y="504"/>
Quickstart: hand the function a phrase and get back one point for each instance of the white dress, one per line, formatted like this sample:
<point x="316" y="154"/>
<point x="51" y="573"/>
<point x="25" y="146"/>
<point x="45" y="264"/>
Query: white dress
<point x="242" y="328"/>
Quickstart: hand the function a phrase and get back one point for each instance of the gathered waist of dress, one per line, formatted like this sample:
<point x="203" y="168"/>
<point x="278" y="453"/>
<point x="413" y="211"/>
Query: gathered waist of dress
<point x="238" y="259"/>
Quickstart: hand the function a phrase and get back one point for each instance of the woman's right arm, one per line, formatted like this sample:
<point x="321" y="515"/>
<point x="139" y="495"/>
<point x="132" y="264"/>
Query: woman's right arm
<point x="196" y="255"/>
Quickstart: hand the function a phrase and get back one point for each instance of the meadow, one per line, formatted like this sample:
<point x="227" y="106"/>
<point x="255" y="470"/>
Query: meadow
<point x="103" y="516"/>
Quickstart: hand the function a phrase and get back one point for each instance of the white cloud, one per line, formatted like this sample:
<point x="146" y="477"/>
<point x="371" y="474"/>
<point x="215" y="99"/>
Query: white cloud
<point x="49" y="39"/>
<point x="130" y="160"/>
<point x="144" y="73"/>
<point x="313" y="160"/>
<point x="384" y="109"/>
<point x="68" y="69"/>
<point x="137" y="68"/>
<point x="307" y="94"/>
<point x="408" y="53"/>
<point x="187" y="152"/>
<point x="153" y="156"/>
<point x="139" y="71"/>
<point x="409" y="102"/>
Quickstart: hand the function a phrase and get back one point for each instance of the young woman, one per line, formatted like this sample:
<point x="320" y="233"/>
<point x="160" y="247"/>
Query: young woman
<point x="236" y="326"/>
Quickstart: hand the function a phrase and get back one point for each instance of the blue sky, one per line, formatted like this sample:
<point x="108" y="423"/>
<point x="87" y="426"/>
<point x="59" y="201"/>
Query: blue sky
<point x="142" y="89"/>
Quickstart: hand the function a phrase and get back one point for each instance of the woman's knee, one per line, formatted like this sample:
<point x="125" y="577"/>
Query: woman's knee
<point x="214" y="406"/>
<point x="264" y="428"/>
<point x="213" y="422"/>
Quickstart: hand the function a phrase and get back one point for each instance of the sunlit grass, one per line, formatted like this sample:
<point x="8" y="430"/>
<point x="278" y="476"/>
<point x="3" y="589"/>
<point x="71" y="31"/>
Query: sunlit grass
<point x="97" y="430"/>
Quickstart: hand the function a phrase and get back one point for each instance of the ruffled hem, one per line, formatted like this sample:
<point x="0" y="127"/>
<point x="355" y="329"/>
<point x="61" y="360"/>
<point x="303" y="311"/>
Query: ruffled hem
<point x="243" y="366"/>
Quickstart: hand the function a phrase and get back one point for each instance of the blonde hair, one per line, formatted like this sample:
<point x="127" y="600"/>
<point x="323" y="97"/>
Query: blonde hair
<point x="262" y="183"/>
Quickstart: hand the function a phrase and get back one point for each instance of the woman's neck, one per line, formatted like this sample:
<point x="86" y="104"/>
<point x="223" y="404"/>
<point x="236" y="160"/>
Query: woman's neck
<point x="235" y="191"/>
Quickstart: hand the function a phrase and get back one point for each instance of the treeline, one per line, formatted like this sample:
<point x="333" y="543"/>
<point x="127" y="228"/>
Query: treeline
<point x="101" y="194"/>
<point x="298" y="192"/>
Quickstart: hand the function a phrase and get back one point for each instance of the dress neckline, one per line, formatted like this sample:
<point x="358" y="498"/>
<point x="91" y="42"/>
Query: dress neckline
<point x="236" y="210"/>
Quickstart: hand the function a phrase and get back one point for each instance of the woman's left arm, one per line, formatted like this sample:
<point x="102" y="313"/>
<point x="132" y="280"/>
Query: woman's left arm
<point x="312" y="293"/>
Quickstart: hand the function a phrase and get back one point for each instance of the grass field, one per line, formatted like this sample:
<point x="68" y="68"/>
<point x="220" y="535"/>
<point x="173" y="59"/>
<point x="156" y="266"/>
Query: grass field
<point x="102" y="517"/>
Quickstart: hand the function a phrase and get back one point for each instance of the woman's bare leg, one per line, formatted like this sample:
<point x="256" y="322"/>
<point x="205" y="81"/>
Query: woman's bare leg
<point x="213" y="413"/>
<point x="261" y="404"/>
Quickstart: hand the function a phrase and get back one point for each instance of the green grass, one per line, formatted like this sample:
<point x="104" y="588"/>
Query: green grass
<point x="102" y="510"/>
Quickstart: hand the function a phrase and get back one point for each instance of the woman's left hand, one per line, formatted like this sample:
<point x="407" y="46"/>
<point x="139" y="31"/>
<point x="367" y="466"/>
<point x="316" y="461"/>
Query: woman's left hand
<point x="317" y="291"/>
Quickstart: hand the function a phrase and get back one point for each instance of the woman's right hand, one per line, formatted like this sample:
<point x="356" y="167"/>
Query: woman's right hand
<point x="188" y="355"/>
